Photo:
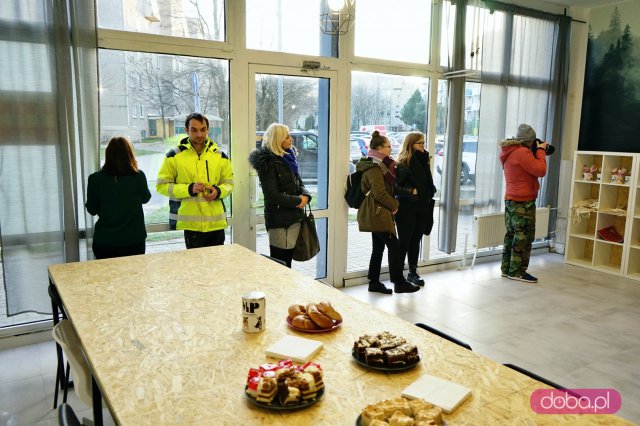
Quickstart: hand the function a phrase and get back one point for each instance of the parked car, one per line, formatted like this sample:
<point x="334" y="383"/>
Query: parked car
<point x="358" y="148"/>
<point x="306" y="145"/>
<point x="469" y="151"/>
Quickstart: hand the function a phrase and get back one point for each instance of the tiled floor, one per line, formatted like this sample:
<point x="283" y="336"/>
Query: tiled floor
<point x="576" y="327"/>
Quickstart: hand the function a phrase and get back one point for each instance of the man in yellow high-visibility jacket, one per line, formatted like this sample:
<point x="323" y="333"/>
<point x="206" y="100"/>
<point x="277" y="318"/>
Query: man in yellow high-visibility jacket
<point x="197" y="176"/>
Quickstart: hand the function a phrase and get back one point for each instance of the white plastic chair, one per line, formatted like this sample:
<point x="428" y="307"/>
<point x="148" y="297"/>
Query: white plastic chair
<point x="66" y="336"/>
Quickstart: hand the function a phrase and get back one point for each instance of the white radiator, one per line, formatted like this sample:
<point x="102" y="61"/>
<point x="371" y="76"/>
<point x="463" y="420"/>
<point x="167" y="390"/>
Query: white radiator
<point x="488" y="230"/>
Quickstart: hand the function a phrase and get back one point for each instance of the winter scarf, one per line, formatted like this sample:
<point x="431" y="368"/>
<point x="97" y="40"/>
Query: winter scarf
<point x="289" y="158"/>
<point x="385" y="162"/>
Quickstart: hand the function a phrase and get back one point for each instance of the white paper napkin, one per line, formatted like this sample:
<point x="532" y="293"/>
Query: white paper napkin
<point x="296" y="348"/>
<point x="443" y="393"/>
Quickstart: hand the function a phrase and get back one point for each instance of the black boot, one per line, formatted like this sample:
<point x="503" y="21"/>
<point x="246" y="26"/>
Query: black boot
<point x="414" y="278"/>
<point x="405" y="287"/>
<point x="378" y="287"/>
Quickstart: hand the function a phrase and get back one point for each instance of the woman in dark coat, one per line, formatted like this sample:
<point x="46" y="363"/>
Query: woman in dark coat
<point x="285" y="196"/>
<point x="415" y="191"/>
<point x="116" y="194"/>
<point x="376" y="213"/>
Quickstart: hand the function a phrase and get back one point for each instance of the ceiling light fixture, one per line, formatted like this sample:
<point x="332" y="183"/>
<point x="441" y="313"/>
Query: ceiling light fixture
<point x="335" y="5"/>
<point x="337" y="17"/>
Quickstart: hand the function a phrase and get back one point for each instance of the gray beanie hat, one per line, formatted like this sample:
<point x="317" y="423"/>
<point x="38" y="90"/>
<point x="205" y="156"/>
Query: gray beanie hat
<point x="525" y="133"/>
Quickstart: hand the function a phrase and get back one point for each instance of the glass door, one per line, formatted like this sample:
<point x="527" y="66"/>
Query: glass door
<point x="303" y="103"/>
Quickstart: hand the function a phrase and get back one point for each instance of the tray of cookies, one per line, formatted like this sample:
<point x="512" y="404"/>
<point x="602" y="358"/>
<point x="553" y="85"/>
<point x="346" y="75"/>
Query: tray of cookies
<point x="285" y="386"/>
<point x="385" y="352"/>
<point x="401" y="411"/>
<point x="318" y="317"/>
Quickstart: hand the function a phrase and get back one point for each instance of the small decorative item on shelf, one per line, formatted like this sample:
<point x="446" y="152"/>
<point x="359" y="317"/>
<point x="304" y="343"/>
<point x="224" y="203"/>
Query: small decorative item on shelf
<point x="618" y="175"/>
<point x="586" y="173"/>
<point x="595" y="172"/>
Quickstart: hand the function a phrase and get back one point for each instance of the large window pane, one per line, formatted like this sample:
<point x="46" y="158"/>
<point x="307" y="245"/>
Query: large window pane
<point x="147" y="97"/>
<point x="398" y="30"/>
<point x="297" y="102"/>
<point x="291" y="26"/>
<point x="480" y="23"/>
<point x="199" y="19"/>
<point x="393" y="105"/>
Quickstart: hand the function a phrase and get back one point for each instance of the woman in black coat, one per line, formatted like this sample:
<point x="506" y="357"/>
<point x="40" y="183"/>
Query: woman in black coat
<point x="285" y="196"/>
<point x="415" y="191"/>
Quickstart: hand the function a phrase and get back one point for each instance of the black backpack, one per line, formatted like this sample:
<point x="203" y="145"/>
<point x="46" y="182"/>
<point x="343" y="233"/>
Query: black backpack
<point x="353" y="192"/>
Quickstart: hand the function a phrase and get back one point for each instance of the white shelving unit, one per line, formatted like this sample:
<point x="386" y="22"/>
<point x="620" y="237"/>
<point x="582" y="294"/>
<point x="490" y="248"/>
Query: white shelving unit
<point x="618" y="205"/>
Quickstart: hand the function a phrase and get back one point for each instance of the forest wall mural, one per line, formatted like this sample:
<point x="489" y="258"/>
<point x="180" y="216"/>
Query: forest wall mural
<point x="610" y="118"/>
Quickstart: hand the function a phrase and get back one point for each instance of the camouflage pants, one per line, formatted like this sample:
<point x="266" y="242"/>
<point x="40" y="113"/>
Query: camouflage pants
<point x="520" y="222"/>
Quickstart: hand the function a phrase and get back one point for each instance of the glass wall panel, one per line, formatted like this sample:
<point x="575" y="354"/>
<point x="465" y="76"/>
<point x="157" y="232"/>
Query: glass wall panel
<point x="147" y="97"/>
<point x="291" y="26"/>
<point x="198" y="19"/>
<point x="393" y="105"/>
<point x="297" y="102"/>
<point x="398" y="30"/>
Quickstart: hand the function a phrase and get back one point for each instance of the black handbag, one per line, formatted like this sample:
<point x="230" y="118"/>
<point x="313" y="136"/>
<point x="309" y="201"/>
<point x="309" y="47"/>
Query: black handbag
<point x="307" y="245"/>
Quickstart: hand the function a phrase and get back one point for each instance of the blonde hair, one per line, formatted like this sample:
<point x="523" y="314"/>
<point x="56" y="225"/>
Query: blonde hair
<point x="406" y="152"/>
<point x="273" y="137"/>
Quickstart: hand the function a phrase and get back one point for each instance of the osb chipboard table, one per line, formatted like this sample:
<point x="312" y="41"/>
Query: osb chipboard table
<point x="163" y="336"/>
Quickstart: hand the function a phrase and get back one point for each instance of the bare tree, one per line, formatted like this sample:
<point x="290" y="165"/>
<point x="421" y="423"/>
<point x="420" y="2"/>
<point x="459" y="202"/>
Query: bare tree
<point x="154" y="84"/>
<point x="363" y="106"/>
<point x="296" y="91"/>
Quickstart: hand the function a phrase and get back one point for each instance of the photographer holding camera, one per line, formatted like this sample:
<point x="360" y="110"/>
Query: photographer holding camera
<point x="523" y="161"/>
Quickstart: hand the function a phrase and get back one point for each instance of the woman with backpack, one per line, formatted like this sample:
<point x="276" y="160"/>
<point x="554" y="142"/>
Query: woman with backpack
<point x="376" y="212"/>
<point x="284" y="193"/>
<point x="414" y="191"/>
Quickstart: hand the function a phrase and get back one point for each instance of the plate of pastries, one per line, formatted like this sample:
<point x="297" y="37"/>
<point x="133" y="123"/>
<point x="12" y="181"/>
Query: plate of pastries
<point x="385" y="352"/>
<point x="285" y="386"/>
<point x="401" y="411"/>
<point x="314" y="317"/>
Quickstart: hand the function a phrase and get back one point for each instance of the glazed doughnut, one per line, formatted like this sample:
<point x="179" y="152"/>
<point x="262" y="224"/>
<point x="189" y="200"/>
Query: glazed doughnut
<point x="318" y="317"/>
<point x="295" y="310"/>
<point x="303" y="322"/>
<point x="327" y="309"/>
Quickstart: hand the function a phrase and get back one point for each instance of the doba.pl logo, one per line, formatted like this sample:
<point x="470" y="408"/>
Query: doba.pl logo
<point x="575" y="401"/>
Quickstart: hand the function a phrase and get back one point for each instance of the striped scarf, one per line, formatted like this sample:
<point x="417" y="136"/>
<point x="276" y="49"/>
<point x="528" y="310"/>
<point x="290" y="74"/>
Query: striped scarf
<point x="385" y="162"/>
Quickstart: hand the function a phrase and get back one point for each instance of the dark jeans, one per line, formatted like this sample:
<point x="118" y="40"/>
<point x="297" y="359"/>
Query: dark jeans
<point x="411" y="221"/>
<point x="286" y="255"/>
<point x="101" y="251"/>
<point x="194" y="239"/>
<point x="378" y="241"/>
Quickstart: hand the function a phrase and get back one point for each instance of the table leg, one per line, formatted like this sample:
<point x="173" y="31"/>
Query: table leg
<point x="97" y="402"/>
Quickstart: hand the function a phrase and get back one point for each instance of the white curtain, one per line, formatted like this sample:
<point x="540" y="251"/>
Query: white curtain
<point x="48" y="138"/>
<point x="524" y="65"/>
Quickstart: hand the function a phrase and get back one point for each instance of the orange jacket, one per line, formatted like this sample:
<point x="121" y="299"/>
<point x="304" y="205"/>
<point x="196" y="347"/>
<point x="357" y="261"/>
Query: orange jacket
<point x="521" y="170"/>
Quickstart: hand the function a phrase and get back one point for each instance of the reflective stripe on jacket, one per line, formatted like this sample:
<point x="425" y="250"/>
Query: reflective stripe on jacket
<point x="182" y="166"/>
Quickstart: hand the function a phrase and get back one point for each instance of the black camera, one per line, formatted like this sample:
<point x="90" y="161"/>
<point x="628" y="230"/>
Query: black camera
<point x="550" y="148"/>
